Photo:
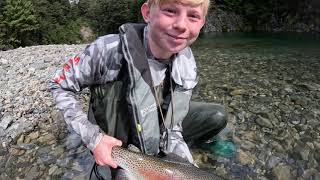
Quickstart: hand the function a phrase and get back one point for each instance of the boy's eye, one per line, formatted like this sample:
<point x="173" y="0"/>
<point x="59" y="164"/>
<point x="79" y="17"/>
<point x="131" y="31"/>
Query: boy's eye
<point x="169" y="11"/>
<point x="194" y="17"/>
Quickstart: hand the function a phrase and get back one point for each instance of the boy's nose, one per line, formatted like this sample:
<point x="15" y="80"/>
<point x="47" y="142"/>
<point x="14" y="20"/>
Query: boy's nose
<point x="180" y="23"/>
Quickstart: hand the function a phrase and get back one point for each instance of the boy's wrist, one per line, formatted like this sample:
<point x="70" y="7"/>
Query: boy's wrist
<point x="95" y="141"/>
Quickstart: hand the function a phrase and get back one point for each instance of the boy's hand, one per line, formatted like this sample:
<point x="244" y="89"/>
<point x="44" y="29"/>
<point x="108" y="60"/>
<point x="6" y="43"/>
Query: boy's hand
<point x="102" y="152"/>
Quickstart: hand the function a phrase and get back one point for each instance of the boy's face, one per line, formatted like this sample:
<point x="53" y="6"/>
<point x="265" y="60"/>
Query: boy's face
<point x="172" y="27"/>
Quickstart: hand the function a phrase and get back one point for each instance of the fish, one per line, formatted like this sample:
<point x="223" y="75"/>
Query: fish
<point x="139" y="166"/>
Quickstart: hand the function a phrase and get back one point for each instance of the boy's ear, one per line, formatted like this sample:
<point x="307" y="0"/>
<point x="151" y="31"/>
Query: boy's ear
<point x="145" y="11"/>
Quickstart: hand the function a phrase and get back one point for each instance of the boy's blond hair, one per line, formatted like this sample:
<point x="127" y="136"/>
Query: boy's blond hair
<point x="205" y="3"/>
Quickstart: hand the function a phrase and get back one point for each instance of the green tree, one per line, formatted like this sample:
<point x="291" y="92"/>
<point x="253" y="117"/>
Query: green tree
<point x="110" y="14"/>
<point x="59" y="22"/>
<point x="18" y="24"/>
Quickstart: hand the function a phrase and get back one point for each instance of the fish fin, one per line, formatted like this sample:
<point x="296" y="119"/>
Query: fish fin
<point x="123" y="175"/>
<point x="133" y="148"/>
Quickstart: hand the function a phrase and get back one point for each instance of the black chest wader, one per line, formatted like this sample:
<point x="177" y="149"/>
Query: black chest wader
<point x="116" y="106"/>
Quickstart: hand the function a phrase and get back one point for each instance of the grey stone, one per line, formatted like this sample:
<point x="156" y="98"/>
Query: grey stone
<point x="311" y="86"/>
<point x="4" y="62"/>
<point x="273" y="161"/>
<point x="264" y="122"/>
<point x="2" y="132"/>
<point x="282" y="172"/>
<point x="19" y="127"/>
<point x="48" y="159"/>
<point x="5" y="122"/>
<point x="33" y="174"/>
<point x="53" y="169"/>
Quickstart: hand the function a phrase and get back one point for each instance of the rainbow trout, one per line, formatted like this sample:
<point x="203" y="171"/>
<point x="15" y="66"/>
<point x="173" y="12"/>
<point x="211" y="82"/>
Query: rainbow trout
<point x="139" y="166"/>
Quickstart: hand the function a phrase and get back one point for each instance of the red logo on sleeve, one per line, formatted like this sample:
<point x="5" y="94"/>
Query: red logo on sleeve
<point x="76" y="60"/>
<point x="66" y="67"/>
<point x="59" y="79"/>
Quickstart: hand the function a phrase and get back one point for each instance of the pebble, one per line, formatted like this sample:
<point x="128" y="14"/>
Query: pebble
<point x="264" y="122"/>
<point x="34" y="135"/>
<point x="245" y="158"/>
<point x="5" y="122"/>
<point x="47" y="138"/>
<point x="20" y="140"/>
<point x="238" y="92"/>
<point x="52" y="169"/>
<point x="282" y="172"/>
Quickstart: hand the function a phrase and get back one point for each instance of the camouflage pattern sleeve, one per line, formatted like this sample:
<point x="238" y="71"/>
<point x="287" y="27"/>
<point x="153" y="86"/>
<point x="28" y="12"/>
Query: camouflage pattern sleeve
<point x="97" y="64"/>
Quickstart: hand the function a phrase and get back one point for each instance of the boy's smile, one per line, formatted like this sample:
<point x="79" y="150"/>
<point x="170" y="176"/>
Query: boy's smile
<point x="172" y="27"/>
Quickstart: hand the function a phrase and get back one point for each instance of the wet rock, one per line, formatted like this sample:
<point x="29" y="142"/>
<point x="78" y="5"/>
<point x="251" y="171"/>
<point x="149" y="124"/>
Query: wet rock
<point x="278" y="147"/>
<point x="47" y="159"/>
<point x="44" y="150"/>
<point x="238" y="92"/>
<point x="311" y="86"/>
<point x="273" y="161"/>
<point x="264" y="122"/>
<point x="34" y="173"/>
<point x="282" y="172"/>
<point x="309" y="174"/>
<point x="53" y="169"/>
<point x="251" y="136"/>
<point x="4" y="176"/>
<point x="57" y="173"/>
<point x="245" y="158"/>
<point x="247" y="145"/>
<point x="64" y="163"/>
<point x="3" y="152"/>
<point x="58" y="151"/>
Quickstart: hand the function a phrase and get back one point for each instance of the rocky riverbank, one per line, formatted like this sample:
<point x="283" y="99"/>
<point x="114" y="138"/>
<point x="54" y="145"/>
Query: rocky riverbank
<point x="273" y="103"/>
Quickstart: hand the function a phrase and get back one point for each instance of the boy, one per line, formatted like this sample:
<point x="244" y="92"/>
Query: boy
<point x="141" y="82"/>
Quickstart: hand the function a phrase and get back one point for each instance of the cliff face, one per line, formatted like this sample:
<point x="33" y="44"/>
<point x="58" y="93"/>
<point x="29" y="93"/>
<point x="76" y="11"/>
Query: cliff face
<point x="299" y="16"/>
<point x="222" y="21"/>
<point x="302" y="16"/>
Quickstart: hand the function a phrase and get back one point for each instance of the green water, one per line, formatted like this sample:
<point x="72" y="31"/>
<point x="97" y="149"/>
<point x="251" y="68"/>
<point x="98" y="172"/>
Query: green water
<point x="262" y="43"/>
<point x="240" y="59"/>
